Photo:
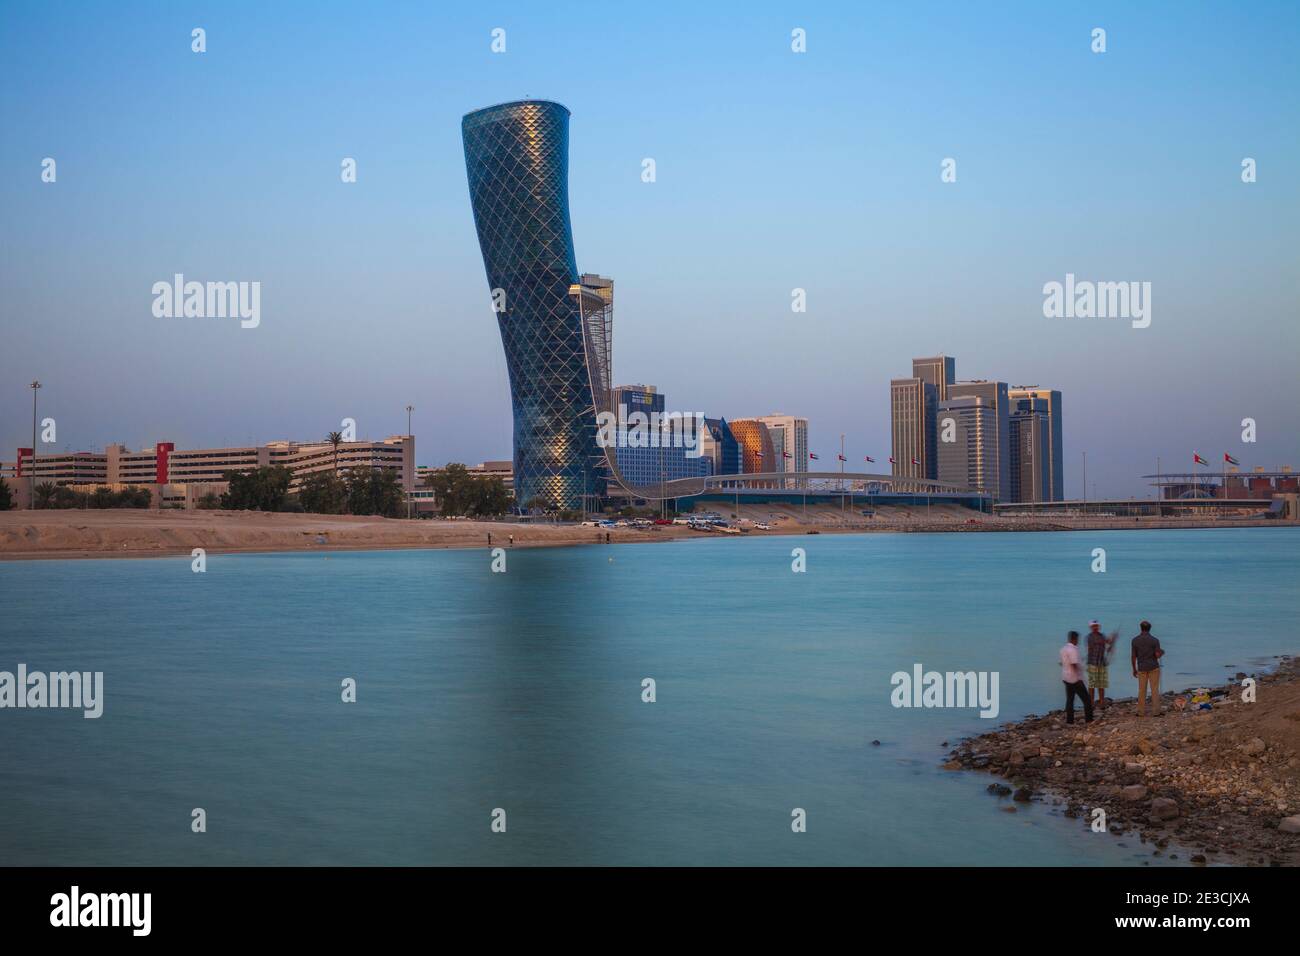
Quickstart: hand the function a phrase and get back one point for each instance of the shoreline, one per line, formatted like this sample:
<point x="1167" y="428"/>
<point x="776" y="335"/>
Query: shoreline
<point x="1204" y="786"/>
<point x="127" y="533"/>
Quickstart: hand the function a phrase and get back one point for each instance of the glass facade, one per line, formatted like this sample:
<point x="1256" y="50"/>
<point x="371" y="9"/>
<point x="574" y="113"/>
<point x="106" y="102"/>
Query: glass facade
<point x="517" y="160"/>
<point x="721" y="447"/>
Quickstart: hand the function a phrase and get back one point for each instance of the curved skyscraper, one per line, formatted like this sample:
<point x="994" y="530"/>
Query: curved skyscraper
<point x="517" y="158"/>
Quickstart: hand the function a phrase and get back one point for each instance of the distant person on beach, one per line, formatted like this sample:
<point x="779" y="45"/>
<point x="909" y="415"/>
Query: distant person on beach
<point x="1072" y="678"/>
<point x="1099" y="650"/>
<point x="1145" y="658"/>
<point x="489" y="534"/>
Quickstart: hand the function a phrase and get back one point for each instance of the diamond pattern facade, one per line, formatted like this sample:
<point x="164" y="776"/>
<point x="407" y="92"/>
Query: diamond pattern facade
<point x="517" y="158"/>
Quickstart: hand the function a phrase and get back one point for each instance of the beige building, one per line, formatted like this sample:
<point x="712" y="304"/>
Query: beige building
<point x="186" y="476"/>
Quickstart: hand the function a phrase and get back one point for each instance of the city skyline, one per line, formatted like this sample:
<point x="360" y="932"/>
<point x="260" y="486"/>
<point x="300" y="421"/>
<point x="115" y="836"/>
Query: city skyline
<point x="374" y="286"/>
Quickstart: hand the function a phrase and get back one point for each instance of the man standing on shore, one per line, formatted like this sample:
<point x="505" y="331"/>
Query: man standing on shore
<point x="1072" y="678"/>
<point x="1145" y="658"/>
<point x="1099" y="650"/>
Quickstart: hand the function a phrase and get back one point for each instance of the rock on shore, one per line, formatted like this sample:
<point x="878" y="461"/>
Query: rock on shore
<point x="1203" y="785"/>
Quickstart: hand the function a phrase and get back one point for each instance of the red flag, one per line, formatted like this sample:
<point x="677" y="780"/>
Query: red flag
<point x="1197" y="459"/>
<point x="1230" y="460"/>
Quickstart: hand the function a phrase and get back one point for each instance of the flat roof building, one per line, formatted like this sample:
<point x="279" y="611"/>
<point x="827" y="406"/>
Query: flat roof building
<point x="966" y="446"/>
<point x="1055" y="434"/>
<point x="912" y="403"/>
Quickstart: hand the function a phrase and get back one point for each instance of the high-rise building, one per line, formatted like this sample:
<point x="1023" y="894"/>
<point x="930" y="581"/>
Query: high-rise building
<point x="757" y="453"/>
<point x="1031" y="450"/>
<point x="789" y="437"/>
<point x="720" y="446"/>
<point x="995" y="395"/>
<point x="912" y="404"/>
<point x="649" y="450"/>
<point x="939" y="370"/>
<point x="1055" y="439"/>
<point x="516" y="158"/>
<point x="966" y="446"/>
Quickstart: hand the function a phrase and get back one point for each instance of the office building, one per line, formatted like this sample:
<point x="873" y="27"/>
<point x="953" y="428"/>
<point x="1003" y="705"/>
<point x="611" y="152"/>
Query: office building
<point x="966" y="446"/>
<point x="757" y="453"/>
<point x="517" y="163"/>
<point x="939" y="370"/>
<point x="912" y="406"/>
<point x="651" y="451"/>
<point x="720" y="445"/>
<point x="1055" y="439"/>
<point x="995" y="396"/>
<point x="789" y="436"/>
<point x="1031" y="450"/>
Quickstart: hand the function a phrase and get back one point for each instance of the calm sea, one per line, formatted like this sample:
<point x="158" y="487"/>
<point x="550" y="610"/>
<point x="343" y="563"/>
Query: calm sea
<point x="522" y="691"/>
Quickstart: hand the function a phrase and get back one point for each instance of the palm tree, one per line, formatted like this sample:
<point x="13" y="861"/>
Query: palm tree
<point x="335" y="439"/>
<point x="45" y="493"/>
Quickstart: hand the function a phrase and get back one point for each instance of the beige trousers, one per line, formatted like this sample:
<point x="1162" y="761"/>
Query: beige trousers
<point x="1150" y="679"/>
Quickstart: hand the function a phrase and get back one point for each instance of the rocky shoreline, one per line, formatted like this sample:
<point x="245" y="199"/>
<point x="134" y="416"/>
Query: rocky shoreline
<point x="1216" y="785"/>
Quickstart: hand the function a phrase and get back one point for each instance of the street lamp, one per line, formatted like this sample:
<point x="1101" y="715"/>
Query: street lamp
<point x="32" y="478"/>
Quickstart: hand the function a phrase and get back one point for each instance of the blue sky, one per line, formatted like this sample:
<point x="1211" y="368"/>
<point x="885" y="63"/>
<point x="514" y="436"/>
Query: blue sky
<point x="775" y="171"/>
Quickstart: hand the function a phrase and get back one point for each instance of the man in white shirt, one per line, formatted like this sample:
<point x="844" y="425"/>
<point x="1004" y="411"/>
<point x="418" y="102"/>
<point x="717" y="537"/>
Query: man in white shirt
<point x="1072" y="678"/>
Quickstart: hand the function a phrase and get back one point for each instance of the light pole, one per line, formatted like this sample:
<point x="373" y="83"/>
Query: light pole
<point x="410" y="494"/>
<point x="32" y="478"/>
<point x="1085" y="482"/>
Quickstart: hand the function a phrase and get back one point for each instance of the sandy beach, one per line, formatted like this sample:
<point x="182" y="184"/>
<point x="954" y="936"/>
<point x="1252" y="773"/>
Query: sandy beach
<point x="125" y="532"/>
<point x="1202" y="786"/>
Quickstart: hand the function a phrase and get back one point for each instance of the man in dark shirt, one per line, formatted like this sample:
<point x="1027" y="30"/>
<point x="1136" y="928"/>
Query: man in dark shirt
<point x="1145" y="658"/>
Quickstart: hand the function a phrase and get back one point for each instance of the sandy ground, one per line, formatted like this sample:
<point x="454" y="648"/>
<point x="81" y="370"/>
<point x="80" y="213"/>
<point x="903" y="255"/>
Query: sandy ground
<point x="141" y="533"/>
<point x="1203" y="786"/>
<point x="131" y="533"/>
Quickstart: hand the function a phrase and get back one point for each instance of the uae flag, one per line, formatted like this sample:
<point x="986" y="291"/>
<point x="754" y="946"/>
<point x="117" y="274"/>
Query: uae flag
<point x="916" y="461"/>
<point x="786" y="454"/>
<point x="758" y="454"/>
<point x="1197" y="459"/>
<point x="841" y="458"/>
<point x="892" y="461"/>
<point x="1229" y="459"/>
<point x="870" y="459"/>
<point x="812" y="456"/>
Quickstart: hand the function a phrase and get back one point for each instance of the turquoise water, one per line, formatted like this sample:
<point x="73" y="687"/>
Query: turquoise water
<point x="523" y="691"/>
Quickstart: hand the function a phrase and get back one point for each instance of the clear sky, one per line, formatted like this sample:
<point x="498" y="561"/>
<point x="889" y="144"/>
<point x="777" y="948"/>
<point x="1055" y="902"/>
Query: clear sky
<point x="775" y="170"/>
